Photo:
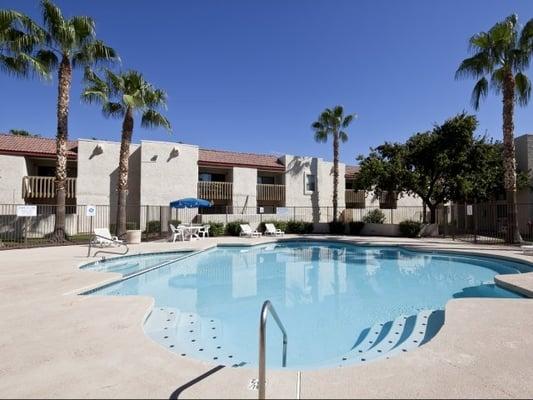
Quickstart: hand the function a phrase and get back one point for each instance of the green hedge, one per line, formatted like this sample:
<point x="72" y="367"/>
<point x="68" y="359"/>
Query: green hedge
<point x="234" y="228"/>
<point x="410" y="228"/>
<point x="337" y="228"/>
<point x="299" y="227"/>
<point x="355" y="227"/>
<point x="374" y="217"/>
<point x="216" y="228"/>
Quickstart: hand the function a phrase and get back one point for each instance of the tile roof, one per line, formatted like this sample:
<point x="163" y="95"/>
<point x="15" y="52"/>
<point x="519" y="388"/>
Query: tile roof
<point x="231" y="158"/>
<point x="35" y="146"/>
<point x="351" y="170"/>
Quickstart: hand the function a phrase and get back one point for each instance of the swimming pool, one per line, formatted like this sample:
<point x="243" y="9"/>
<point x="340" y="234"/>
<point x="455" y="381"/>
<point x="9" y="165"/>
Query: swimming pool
<point x="340" y="303"/>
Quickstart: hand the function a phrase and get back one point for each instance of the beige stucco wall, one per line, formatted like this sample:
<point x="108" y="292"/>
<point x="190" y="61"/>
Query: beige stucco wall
<point x="12" y="169"/>
<point x="169" y="171"/>
<point x="98" y="173"/>
<point x="244" y="190"/>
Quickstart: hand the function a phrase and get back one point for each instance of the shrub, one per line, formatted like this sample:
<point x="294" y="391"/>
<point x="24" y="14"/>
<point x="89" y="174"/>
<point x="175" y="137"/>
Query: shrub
<point x="216" y="228"/>
<point x="299" y="227"/>
<point x="374" y="217"/>
<point x="234" y="228"/>
<point x="129" y="226"/>
<point x="281" y="225"/>
<point x="355" y="227"/>
<point x="153" y="226"/>
<point x="337" y="228"/>
<point x="410" y="228"/>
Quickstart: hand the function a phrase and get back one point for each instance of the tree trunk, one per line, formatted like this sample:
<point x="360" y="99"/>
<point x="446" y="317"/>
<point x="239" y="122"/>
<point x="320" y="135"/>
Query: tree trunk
<point x="509" y="162"/>
<point x="122" y="184"/>
<point x="335" y="174"/>
<point x="432" y="213"/>
<point x="64" y="78"/>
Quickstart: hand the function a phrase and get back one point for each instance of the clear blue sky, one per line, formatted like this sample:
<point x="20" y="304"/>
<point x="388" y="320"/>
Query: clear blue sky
<point x="253" y="75"/>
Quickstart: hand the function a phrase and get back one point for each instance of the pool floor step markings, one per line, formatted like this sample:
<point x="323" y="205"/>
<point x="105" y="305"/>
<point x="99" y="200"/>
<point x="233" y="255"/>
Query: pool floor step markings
<point x="187" y="334"/>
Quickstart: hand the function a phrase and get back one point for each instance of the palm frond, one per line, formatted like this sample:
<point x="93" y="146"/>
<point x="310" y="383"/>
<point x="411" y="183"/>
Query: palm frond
<point x="343" y="136"/>
<point x="113" y="109"/>
<point x="348" y="120"/>
<point x="321" y="136"/>
<point x="83" y="28"/>
<point x="52" y="17"/>
<point x="94" y="52"/>
<point x="475" y="66"/>
<point x="526" y="36"/>
<point x="153" y="119"/>
<point x="481" y="89"/>
<point x="497" y="78"/>
<point x="523" y="88"/>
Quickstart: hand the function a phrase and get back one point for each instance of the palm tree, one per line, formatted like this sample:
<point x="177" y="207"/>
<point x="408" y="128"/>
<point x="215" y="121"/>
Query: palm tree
<point x="332" y="122"/>
<point x="20" y="36"/>
<point x="502" y="54"/>
<point x="121" y="96"/>
<point x="69" y="43"/>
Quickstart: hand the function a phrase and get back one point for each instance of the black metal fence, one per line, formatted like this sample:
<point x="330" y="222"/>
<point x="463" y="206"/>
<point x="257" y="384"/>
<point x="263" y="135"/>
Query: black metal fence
<point x="479" y="223"/>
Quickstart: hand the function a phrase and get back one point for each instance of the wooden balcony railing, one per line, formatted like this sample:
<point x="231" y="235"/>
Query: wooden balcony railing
<point x="354" y="197"/>
<point x="215" y="190"/>
<point x="43" y="187"/>
<point x="270" y="192"/>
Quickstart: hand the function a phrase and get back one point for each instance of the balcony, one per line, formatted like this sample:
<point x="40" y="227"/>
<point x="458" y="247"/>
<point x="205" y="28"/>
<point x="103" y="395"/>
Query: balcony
<point x="43" y="187"/>
<point x="215" y="190"/>
<point x="354" y="197"/>
<point x="270" y="192"/>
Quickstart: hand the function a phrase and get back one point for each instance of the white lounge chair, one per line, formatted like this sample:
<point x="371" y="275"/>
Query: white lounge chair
<point x="176" y="233"/>
<point x="104" y="238"/>
<point x="527" y="249"/>
<point x="246" y="230"/>
<point x="271" y="230"/>
<point x="204" y="231"/>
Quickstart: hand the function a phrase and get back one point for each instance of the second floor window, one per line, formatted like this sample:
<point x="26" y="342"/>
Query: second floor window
<point x="310" y="183"/>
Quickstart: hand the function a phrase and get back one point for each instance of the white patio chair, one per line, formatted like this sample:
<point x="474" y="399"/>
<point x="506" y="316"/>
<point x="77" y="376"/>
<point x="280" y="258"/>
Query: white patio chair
<point x="204" y="231"/>
<point x="271" y="230"/>
<point x="246" y="230"/>
<point x="104" y="238"/>
<point x="176" y="233"/>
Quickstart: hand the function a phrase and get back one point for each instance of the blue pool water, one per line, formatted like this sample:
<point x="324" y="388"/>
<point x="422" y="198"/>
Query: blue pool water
<point x="341" y="304"/>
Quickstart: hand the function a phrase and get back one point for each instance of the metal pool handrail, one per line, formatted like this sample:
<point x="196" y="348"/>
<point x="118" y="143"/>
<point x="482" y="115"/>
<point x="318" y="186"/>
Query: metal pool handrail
<point x="117" y="242"/>
<point x="268" y="307"/>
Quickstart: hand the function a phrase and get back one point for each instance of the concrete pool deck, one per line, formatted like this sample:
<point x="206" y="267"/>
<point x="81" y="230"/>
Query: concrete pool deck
<point x="54" y="343"/>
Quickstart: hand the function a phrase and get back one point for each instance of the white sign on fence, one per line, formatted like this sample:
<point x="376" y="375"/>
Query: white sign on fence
<point x="26" y="211"/>
<point x="469" y="210"/>
<point x="91" y="211"/>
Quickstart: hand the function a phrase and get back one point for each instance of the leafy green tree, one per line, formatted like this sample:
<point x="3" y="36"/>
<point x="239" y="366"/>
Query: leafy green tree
<point x="502" y="55"/>
<point x="20" y="37"/>
<point x="332" y="122"/>
<point x="428" y="165"/>
<point x="70" y="43"/>
<point x="22" y="132"/>
<point x="123" y="95"/>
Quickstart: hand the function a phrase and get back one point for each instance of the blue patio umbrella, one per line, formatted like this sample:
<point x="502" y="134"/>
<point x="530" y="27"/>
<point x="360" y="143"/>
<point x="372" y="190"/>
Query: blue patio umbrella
<point x="190" y="202"/>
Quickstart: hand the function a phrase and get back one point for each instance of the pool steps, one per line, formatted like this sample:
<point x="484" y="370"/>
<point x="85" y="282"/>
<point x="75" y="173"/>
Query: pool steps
<point x="189" y="334"/>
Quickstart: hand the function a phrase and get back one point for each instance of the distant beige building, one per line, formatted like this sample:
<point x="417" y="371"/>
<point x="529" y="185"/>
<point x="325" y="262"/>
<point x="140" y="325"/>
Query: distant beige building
<point x="237" y="183"/>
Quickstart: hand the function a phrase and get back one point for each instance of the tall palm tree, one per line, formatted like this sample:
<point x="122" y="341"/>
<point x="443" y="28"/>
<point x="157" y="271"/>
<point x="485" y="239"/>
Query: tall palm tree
<point x="20" y="37"/>
<point x="502" y="54"/>
<point x="69" y="43"/>
<point x="331" y="123"/>
<point x="123" y="95"/>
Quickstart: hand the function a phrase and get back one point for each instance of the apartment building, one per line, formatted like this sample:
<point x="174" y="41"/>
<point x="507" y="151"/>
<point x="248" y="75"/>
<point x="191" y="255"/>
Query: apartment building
<point x="159" y="172"/>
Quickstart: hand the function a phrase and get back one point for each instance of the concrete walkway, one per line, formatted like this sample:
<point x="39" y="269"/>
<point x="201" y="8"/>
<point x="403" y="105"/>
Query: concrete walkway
<point x="54" y="343"/>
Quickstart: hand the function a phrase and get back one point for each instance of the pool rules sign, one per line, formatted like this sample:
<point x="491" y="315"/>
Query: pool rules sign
<point x="91" y="211"/>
